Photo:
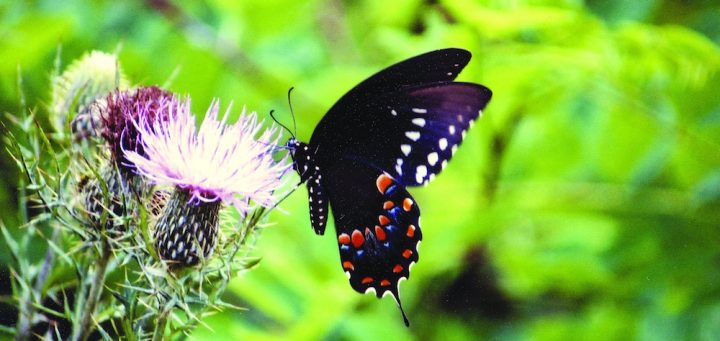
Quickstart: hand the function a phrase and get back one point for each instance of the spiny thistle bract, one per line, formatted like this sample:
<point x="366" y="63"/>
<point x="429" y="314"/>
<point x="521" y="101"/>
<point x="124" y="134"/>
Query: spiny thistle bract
<point x="86" y="80"/>
<point x="214" y="164"/>
<point x="186" y="228"/>
<point x="93" y="196"/>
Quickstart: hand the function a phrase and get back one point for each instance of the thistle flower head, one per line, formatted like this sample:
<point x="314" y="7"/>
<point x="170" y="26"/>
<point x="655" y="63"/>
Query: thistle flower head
<point x="232" y="163"/>
<point x="121" y="108"/>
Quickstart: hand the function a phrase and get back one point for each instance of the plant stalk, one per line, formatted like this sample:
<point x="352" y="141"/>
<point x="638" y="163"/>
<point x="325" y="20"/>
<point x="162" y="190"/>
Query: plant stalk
<point x="96" y="287"/>
<point x="28" y="313"/>
<point x="159" y="332"/>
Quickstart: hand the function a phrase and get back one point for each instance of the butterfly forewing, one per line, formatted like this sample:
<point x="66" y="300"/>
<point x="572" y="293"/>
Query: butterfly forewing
<point x="364" y="104"/>
<point x="435" y="66"/>
<point x="432" y="123"/>
<point x="410" y="132"/>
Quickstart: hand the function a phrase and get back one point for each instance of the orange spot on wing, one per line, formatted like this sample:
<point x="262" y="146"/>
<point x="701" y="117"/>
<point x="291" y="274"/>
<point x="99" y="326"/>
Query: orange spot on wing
<point x="367" y="280"/>
<point x="384" y="283"/>
<point x="407" y="204"/>
<point x="347" y="265"/>
<point x="388" y="205"/>
<point x="380" y="233"/>
<point x="407" y="253"/>
<point x="398" y="268"/>
<point x="344" y="239"/>
<point x="357" y="239"/>
<point x="383" y="220"/>
<point x="382" y="182"/>
<point x="411" y="231"/>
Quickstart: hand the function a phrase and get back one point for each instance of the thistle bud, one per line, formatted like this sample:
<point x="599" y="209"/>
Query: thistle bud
<point x="74" y="91"/>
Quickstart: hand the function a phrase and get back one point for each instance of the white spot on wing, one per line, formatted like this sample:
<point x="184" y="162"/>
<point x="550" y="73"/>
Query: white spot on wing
<point x="451" y="129"/>
<point x="413" y="135"/>
<point x="393" y="112"/>
<point x="432" y="158"/>
<point x="442" y="143"/>
<point x="419" y="110"/>
<point x="420" y="173"/>
<point x="405" y="149"/>
<point x="420" y="122"/>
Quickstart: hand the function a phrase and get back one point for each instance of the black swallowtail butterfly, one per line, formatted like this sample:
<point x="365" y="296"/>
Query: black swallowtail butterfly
<point x="397" y="128"/>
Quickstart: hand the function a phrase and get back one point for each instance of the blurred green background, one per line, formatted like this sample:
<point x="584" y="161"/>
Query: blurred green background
<point x="584" y="204"/>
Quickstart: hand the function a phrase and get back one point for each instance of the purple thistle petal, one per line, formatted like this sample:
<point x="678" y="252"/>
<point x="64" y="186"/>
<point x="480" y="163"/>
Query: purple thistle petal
<point x="215" y="161"/>
<point x="120" y="108"/>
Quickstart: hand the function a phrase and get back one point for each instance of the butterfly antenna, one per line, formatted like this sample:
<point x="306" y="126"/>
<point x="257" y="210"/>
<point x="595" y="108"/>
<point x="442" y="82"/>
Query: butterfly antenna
<point x="272" y="114"/>
<point x="291" y="109"/>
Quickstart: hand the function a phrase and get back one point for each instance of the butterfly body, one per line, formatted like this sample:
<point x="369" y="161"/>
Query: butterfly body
<point x="398" y="128"/>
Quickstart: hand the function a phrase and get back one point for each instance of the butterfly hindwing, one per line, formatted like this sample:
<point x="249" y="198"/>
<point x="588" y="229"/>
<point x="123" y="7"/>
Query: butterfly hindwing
<point x="378" y="226"/>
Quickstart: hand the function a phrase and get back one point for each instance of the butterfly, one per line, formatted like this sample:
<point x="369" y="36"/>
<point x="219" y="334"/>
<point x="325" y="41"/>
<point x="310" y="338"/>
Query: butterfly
<point x="396" y="129"/>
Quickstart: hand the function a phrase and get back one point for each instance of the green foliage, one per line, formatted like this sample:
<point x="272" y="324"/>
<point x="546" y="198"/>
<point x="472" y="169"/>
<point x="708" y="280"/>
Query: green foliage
<point x="590" y="188"/>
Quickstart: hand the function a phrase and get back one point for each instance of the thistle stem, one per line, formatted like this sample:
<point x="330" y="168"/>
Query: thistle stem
<point x="27" y="315"/>
<point x="96" y="287"/>
<point x="159" y="332"/>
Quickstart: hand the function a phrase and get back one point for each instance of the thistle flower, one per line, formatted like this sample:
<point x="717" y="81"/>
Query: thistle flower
<point x="209" y="166"/>
<point x="116" y="113"/>
<point x="86" y="80"/>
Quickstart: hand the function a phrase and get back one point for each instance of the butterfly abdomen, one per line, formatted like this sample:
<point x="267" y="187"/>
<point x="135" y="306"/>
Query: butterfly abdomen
<point x="310" y="172"/>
